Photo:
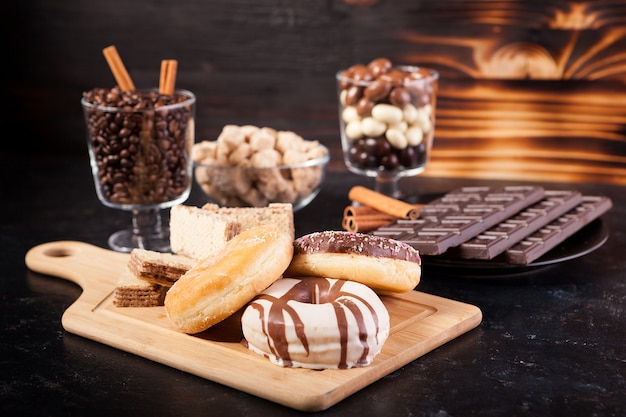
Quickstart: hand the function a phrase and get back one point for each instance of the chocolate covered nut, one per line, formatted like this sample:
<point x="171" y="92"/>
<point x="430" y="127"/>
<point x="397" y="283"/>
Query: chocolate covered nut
<point x="379" y="66"/>
<point x="400" y="97"/>
<point x="402" y="126"/>
<point x="387" y="113"/>
<point x="396" y="138"/>
<point x="395" y="76"/>
<point x="354" y="129"/>
<point x="345" y="76"/>
<point x="361" y="73"/>
<point x="372" y="127"/>
<point x="413" y="156"/>
<point x="419" y="74"/>
<point x="350" y="114"/>
<point x="377" y="90"/>
<point x="390" y="161"/>
<point x="353" y="95"/>
<point x="421" y="90"/>
<point x="383" y="147"/>
<point x="414" y="135"/>
<point x="410" y="113"/>
<point x="364" y="107"/>
<point x="362" y="158"/>
<point x="342" y="96"/>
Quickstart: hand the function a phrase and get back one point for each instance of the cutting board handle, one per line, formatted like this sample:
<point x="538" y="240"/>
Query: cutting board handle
<point x="89" y="266"/>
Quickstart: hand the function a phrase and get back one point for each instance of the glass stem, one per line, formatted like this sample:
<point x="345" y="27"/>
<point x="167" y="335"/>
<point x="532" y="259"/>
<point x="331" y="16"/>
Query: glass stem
<point x="388" y="185"/>
<point x="146" y="222"/>
<point x="148" y="228"/>
<point x="147" y="232"/>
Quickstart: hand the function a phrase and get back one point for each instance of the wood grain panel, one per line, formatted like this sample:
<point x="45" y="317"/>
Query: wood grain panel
<point x="529" y="89"/>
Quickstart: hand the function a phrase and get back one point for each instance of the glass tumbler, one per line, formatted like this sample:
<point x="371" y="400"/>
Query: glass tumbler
<point x="387" y="120"/>
<point x="140" y="154"/>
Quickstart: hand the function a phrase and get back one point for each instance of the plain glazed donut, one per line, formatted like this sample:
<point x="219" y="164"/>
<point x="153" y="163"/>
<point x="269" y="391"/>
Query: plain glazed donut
<point x="215" y="288"/>
<point x="383" y="264"/>
<point x="316" y="323"/>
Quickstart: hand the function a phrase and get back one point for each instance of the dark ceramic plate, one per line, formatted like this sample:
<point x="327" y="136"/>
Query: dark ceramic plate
<point x="586" y="240"/>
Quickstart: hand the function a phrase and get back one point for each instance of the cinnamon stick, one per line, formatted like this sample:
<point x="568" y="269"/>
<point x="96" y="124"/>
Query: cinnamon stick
<point x="373" y="217"/>
<point x="167" y="79"/>
<point x="364" y="223"/>
<point x="124" y="82"/>
<point x="362" y="211"/>
<point x="345" y="223"/>
<point x="364" y="219"/>
<point x="383" y="203"/>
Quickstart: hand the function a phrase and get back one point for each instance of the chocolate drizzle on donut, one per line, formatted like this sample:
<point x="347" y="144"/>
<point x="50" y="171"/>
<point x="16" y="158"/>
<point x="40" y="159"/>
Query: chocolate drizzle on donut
<point x="356" y="243"/>
<point x="313" y="291"/>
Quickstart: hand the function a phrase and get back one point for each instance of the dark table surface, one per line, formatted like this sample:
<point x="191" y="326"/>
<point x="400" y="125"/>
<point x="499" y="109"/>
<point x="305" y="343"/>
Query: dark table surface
<point x="552" y="340"/>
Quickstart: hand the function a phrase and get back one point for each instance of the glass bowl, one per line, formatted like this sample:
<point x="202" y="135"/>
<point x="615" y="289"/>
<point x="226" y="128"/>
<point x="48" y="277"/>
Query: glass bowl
<point x="248" y="186"/>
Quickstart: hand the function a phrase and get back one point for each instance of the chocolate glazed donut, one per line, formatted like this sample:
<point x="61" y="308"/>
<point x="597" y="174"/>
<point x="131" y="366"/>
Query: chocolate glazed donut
<point x="316" y="323"/>
<point x="383" y="264"/>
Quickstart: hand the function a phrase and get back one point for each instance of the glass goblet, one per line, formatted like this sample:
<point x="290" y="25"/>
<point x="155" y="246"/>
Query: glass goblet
<point x="140" y="154"/>
<point x="387" y="121"/>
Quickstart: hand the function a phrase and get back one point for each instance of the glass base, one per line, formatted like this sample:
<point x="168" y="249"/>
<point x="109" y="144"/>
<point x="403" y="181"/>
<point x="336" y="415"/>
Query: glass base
<point x="147" y="232"/>
<point x="125" y="241"/>
<point x="387" y="182"/>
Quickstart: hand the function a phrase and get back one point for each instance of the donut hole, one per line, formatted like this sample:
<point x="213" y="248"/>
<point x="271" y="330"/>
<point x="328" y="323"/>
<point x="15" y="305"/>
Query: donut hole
<point x="313" y="290"/>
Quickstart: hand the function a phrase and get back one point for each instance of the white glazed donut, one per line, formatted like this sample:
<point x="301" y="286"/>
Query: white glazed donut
<point x="316" y="323"/>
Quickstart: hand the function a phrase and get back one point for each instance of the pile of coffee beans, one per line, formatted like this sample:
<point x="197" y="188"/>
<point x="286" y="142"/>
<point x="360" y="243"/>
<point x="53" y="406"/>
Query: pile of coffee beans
<point x="387" y="115"/>
<point x="141" y="144"/>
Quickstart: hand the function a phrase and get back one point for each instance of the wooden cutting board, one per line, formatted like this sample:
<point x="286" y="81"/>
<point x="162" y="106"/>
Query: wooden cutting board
<point x="419" y="323"/>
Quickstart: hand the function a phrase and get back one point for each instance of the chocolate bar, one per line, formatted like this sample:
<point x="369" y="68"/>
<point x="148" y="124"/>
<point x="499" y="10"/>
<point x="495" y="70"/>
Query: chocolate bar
<point x="546" y="238"/>
<point x="460" y="215"/>
<point x="496" y="240"/>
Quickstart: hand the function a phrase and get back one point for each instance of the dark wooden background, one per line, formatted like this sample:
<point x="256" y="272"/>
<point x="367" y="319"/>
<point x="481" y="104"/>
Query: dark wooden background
<point x="529" y="89"/>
